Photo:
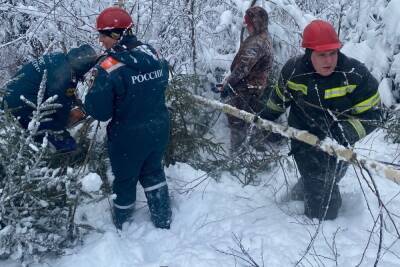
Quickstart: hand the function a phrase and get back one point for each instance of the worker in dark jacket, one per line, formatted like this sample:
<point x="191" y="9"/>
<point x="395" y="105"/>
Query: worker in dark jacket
<point x="128" y="88"/>
<point x="330" y="95"/>
<point x="63" y="73"/>
<point x="249" y="73"/>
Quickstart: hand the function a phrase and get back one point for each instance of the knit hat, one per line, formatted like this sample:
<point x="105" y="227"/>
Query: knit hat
<point x="81" y="59"/>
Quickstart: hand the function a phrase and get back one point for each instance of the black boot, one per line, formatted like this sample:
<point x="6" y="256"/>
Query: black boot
<point x="121" y="216"/>
<point x="159" y="206"/>
<point x="319" y="208"/>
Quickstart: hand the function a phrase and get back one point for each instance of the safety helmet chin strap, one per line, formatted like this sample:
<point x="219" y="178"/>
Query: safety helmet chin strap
<point x="126" y="32"/>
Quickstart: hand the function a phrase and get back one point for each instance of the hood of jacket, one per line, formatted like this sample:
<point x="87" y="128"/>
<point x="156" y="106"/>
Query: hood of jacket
<point x="82" y="59"/>
<point x="259" y="18"/>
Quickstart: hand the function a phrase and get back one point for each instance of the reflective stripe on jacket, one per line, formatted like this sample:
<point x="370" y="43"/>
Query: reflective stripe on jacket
<point x="350" y="94"/>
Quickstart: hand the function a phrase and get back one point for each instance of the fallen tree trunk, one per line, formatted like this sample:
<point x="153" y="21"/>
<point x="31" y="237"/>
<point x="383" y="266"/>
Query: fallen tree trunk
<point x="326" y="145"/>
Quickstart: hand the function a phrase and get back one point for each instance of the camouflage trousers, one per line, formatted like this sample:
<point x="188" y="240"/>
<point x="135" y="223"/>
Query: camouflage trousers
<point x="240" y="129"/>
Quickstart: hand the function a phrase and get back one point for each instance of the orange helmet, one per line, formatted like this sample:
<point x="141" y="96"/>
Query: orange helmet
<point x="113" y="18"/>
<point x="320" y="35"/>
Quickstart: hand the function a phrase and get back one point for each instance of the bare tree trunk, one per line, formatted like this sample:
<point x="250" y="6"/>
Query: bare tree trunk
<point x="341" y="15"/>
<point x="329" y="147"/>
<point x="191" y="16"/>
<point x="138" y="17"/>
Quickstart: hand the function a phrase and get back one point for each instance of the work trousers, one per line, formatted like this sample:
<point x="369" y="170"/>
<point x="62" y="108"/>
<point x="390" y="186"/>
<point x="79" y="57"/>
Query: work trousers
<point x="320" y="174"/>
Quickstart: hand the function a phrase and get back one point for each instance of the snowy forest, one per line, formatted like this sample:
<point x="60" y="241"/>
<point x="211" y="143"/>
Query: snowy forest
<point x="228" y="209"/>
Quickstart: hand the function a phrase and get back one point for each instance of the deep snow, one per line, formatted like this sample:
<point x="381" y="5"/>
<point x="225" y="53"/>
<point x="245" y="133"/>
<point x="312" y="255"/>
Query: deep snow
<point x="208" y="218"/>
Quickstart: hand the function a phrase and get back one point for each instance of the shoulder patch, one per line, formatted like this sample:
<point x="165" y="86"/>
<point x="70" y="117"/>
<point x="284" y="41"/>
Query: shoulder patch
<point x="110" y="64"/>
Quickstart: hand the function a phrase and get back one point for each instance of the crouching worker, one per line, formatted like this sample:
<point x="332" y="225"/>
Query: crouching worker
<point x="330" y="95"/>
<point x="128" y="87"/>
<point x="63" y="73"/>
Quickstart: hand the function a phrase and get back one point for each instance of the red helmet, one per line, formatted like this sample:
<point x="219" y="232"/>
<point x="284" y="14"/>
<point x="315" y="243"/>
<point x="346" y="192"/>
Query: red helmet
<point x="320" y="35"/>
<point x="113" y="18"/>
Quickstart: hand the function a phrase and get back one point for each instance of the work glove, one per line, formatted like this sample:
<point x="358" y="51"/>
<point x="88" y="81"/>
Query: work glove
<point x="76" y="115"/>
<point x="227" y="90"/>
<point x="62" y="143"/>
<point x="224" y="90"/>
<point x="344" y="133"/>
<point x="216" y="88"/>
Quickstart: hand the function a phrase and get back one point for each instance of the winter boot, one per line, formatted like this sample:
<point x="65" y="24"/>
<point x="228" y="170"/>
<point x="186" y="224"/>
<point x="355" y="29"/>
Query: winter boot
<point x="318" y="206"/>
<point x="159" y="206"/>
<point x="121" y="216"/>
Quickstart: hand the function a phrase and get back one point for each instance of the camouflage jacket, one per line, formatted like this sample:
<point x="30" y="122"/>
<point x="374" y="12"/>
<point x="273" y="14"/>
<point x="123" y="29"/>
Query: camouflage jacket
<point x="252" y="63"/>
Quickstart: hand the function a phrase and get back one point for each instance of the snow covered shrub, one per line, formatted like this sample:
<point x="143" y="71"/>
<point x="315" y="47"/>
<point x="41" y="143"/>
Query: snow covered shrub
<point x="32" y="28"/>
<point x="92" y="142"/>
<point x="191" y="137"/>
<point x="35" y="202"/>
<point x="393" y="127"/>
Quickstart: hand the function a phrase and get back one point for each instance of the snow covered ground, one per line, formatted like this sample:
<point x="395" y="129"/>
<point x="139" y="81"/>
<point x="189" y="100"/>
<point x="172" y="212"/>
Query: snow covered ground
<point x="212" y="220"/>
<point x="217" y="223"/>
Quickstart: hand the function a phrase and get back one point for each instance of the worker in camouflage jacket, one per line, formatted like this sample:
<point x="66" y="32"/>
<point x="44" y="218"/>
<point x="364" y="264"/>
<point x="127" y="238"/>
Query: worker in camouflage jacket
<point x="330" y="95"/>
<point x="128" y="87"/>
<point x="249" y="72"/>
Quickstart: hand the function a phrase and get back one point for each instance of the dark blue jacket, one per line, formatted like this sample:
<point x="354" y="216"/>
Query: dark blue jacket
<point x="26" y="82"/>
<point x="63" y="71"/>
<point x="129" y="86"/>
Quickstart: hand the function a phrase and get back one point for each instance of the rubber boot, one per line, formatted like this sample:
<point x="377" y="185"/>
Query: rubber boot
<point x="319" y="208"/>
<point x="121" y="216"/>
<point x="159" y="206"/>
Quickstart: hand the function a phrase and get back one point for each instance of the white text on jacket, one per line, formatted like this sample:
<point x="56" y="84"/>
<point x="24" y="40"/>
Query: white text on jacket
<point x="147" y="76"/>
